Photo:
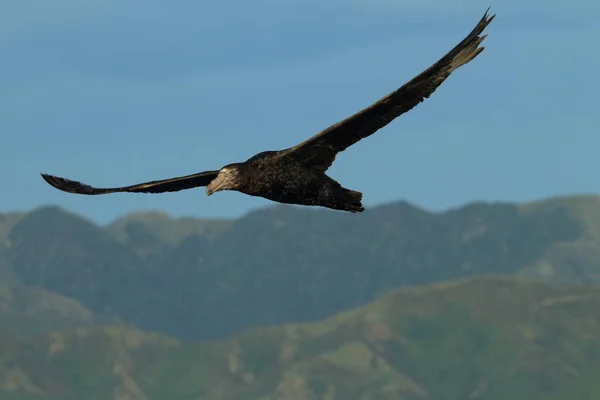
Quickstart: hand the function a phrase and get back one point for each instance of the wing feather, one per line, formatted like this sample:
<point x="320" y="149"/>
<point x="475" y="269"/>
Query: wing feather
<point x="320" y="150"/>
<point x="161" y="186"/>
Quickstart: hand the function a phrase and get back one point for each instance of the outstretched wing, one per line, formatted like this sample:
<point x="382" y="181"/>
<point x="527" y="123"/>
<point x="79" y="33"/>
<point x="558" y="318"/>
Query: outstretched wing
<point x="165" y="185"/>
<point x="320" y="150"/>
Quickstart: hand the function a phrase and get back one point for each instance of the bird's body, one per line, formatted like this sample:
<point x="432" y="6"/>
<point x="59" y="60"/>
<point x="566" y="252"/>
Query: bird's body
<point x="285" y="180"/>
<point x="297" y="175"/>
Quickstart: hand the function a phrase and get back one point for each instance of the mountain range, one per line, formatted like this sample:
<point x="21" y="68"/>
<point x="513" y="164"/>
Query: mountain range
<point x="488" y="300"/>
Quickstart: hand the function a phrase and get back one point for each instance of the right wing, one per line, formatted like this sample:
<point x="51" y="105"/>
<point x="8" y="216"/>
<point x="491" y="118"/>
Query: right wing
<point x="320" y="150"/>
<point x="165" y="185"/>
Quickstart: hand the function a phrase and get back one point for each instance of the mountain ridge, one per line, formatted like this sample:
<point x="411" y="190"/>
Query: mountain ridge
<point x="151" y="270"/>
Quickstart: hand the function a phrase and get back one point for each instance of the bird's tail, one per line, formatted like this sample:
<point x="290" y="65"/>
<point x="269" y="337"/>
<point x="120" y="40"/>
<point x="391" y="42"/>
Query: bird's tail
<point x="354" y="195"/>
<point x="353" y="201"/>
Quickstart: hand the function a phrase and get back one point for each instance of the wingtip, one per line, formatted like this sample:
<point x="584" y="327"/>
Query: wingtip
<point x="487" y="17"/>
<point x="58" y="183"/>
<point x="46" y="177"/>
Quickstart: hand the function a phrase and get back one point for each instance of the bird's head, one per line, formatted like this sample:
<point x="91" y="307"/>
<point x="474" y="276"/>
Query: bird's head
<point x="225" y="180"/>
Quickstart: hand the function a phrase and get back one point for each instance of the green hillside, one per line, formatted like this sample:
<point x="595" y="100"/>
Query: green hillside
<point x="27" y="311"/>
<point x="154" y="272"/>
<point x="490" y="338"/>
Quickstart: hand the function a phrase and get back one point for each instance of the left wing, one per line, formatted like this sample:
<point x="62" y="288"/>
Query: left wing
<point x="320" y="150"/>
<point x="165" y="185"/>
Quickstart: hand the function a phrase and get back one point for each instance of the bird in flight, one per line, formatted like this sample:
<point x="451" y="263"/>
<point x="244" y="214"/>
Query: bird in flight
<point x="297" y="175"/>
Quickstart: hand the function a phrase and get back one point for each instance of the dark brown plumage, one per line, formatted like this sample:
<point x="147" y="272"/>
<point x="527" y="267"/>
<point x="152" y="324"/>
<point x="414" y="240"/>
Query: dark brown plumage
<point x="297" y="175"/>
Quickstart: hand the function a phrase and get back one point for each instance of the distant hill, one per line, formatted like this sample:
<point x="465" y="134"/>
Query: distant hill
<point x="7" y="221"/>
<point x="203" y="279"/>
<point x="150" y="233"/>
<point x="492" y="338"/>
<point x="26" y="311"/>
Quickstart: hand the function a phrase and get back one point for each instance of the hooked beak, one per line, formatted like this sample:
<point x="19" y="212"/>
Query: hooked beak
<point x="216" y="184"/>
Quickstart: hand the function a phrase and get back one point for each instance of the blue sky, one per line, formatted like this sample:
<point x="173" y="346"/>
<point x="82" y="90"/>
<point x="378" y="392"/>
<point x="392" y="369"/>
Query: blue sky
<point x="120" y="92"/>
